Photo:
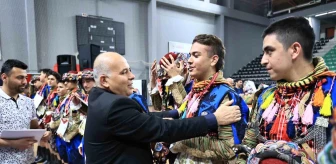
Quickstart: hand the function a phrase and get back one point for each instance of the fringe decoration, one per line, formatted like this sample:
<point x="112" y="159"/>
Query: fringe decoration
<point x="272" y="113"/>
<point x="326" y="108"/>
<point x="296" y="117"/>
<point x="318" y="97"/>
<point x="267" y="101"/>
<point x="307" y="118"/>
<point x="268" y="110"/>
<point x="302" y="104"/>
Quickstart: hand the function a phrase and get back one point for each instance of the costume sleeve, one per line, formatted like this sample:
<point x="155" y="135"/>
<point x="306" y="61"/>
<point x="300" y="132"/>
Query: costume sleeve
<point x="251" y="134"/>
<point x="176" y="87"/>
<point x="178" y="92"/>
<point x="156" y="100"/>
<point x="209" y="147"/>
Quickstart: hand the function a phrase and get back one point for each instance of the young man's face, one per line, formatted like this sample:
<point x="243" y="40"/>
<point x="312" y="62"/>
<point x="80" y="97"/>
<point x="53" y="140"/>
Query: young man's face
<point x="61" y="89"/>
<point x="43" y="77"/>
<point x="15" y="80"/>
<point x="52" y="81"/>
<point x="37" y="84"/>
<point x="70" y="85"/>
<point x="88" y="84"/>
<point x="276" y="59"/>
<point x="239" y="84"/>
<point x="200" y="61"/>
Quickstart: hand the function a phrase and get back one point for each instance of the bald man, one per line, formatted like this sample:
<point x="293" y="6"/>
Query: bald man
<point x="231" y="81"/>
<point x="118" y="131"/>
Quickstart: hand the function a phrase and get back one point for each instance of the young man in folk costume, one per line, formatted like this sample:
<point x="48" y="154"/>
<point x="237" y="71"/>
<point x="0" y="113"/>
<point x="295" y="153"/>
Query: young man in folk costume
<point x="35" y="84"/>
<point x="70" y="120"/>
<point x="170" y="84"/>
<point x="43" y="92"/>
<point x="298" y="108"/>
<point x="86" y="81"/>
<point x="50" y="151"/>
<point x="41" y="96"/>
<point x="209" y="90"/>
<point x="60" y="102"/>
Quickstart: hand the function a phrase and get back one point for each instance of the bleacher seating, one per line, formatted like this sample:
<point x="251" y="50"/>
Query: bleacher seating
<point x="319" y="45"/>
<point x="255" y="72"/>
<point x="330" y="59"/>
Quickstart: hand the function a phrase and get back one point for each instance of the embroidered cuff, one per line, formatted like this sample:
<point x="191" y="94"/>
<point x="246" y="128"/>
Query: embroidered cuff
<point x="75" y="107"/>
<point x="174" y="79"/>
<point x="173" y="114"/>
<point x="212" y="121"/>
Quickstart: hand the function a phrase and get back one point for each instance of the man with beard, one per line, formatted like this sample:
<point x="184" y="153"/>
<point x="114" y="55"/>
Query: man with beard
<point x="17" y="112"/>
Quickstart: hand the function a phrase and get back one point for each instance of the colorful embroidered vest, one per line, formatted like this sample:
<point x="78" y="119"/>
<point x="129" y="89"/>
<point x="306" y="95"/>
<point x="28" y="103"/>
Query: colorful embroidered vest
<point x="213" y="99"/>
<point x="326" y="87"/>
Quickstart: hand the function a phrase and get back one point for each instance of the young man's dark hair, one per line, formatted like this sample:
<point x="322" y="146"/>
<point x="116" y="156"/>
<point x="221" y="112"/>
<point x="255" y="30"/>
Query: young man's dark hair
<point x="217" y="47"/>
<point x="291" y="30"/>
<point x="56" y="75"/>
<point x="61" y="81"/>
<point x="10" y="64"/>
<point x="46" y="71"/>
<point x="236" y="80"/>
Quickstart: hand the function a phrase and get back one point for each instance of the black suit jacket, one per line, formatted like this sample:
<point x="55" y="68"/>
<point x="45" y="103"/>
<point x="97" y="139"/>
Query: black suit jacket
<point x="118" y="132"/>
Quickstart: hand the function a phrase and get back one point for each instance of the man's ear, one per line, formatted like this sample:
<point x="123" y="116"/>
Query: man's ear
<point x="4" y="77"/>
<point x="103" y="81"/>
<point x="295" y="49"/>
<point x="214" y="60"/>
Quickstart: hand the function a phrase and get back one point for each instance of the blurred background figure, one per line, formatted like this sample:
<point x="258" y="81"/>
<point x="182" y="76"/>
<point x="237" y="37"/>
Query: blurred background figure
<point x="230" y="81"/>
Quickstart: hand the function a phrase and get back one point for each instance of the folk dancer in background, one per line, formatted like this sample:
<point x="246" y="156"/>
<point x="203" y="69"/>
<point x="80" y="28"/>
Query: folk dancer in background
<point x="41" y="96"/>
<point x="60" y="103"/>
<point x="70" y="121"/>
<point x="87" y="82"/>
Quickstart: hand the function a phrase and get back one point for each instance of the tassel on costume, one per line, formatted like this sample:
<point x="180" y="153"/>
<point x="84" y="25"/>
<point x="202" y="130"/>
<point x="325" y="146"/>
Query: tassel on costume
<point x="268" y="110"/>
<point x="267" y="101"/>
<point x="183" y="106"/>
<point x="319" y="97"/>
<point x="307" y="118"/>
<point x="291" y="129"/>
<point x="271" y="115"/>
<point x="326" y="107"/>
<point x="192" y="100"/>
<point x="295" y="118"/>
<point x="276" y="125"/>
<point x="302" y="104"/>
<point x="193" y="108"/>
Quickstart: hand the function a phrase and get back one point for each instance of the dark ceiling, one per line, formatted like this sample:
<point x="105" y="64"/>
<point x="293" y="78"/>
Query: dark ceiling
<point x="328" y="19"/>
<point x="262" y="7"/>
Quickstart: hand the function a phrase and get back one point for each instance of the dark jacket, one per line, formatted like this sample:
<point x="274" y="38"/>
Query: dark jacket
<point x="117" y="131"/>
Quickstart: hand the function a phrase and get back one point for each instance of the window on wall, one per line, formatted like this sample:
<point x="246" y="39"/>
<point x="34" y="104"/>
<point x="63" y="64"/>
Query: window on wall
<point x="330" y="32"/>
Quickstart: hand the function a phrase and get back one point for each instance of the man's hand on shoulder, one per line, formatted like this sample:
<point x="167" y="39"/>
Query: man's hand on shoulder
<point x="226" y="114"/>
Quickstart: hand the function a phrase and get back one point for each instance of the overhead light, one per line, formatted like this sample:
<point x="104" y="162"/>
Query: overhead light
<point x="321" y="14"/>
<point x="330" y="12"/>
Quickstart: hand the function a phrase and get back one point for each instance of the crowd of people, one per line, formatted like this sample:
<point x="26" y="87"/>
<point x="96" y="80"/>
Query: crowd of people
<point x="197" y="115"/>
